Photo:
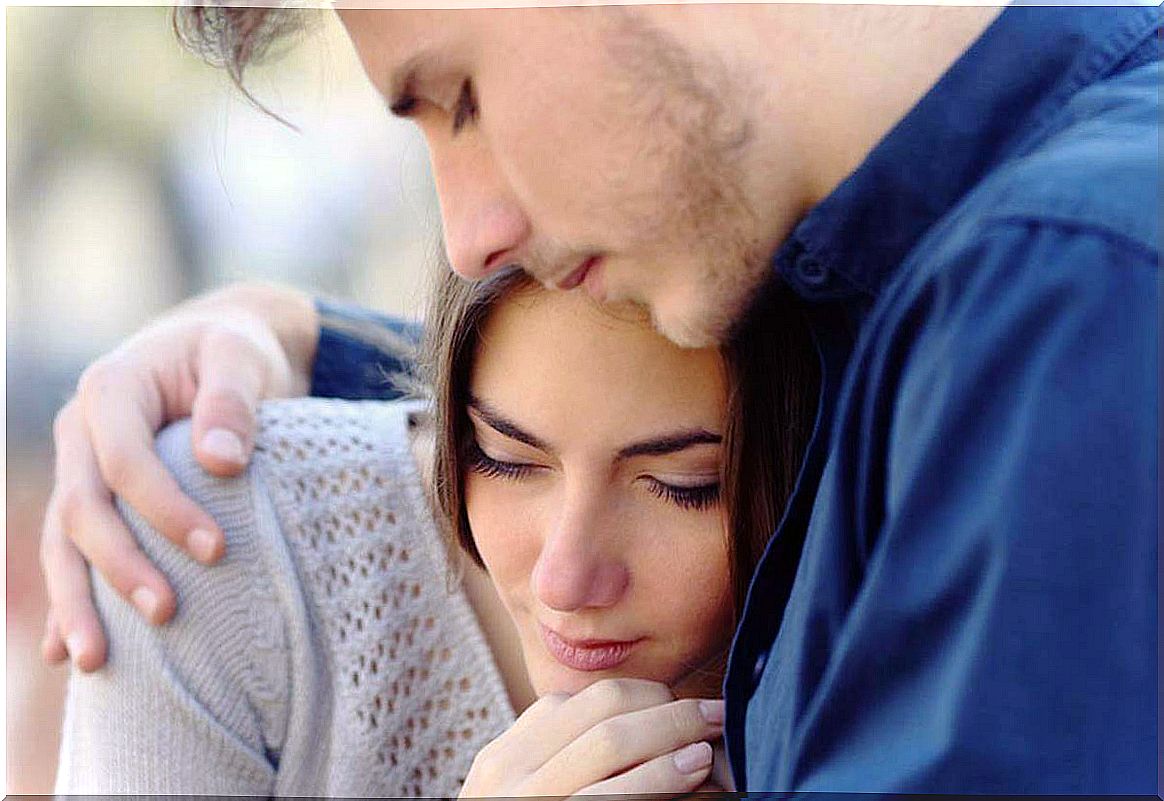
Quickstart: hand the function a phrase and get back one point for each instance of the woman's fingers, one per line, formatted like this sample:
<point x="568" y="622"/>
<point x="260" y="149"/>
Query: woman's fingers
<point x="562" y="743"/>
<point x="557" y="720"/>
<point x="620" y="743"/>
<point x="499" y="768"/>
<point x="681" y="771"/>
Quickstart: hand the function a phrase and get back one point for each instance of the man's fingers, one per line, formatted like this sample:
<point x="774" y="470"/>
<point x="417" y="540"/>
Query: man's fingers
<point x="81" y="512"/>
<point x="74" y="620"/>
<point x="80" y="515"/>
<point x="102" y="536"/>
<point x="122" y="448"/>
<point x="231" y="380"/>
<point x="680" y="771"/>
<point x="52" y="645"/>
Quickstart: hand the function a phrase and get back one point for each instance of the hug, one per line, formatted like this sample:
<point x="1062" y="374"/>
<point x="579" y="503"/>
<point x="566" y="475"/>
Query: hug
<point x="786" y="422"/>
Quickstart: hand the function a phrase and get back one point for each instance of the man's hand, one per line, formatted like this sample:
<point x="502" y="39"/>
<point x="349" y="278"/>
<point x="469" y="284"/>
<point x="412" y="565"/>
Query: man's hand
<point x="615" y="736"/>
<point x="213" y="359"/>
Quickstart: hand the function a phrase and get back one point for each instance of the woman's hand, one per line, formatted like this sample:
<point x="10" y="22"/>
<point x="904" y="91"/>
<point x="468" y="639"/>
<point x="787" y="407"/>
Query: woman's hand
<point x="213" y="358"/>
<point x="615" y="736"/>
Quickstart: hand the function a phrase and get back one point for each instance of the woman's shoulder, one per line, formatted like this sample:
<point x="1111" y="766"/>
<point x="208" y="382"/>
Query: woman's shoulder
<point x="331" y="642"/>
<point x="349" y="498"/>
<point x="413" y="688"/>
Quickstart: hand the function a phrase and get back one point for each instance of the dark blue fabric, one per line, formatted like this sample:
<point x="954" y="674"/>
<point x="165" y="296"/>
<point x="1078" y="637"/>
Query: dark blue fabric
<point x="963" y="594"/>
<point x="354" y="359"/>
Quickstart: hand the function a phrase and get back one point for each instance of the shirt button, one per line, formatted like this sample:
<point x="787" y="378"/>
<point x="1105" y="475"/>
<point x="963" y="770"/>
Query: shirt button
<point x="758" y="668"/>
<point x="812" y="272"/>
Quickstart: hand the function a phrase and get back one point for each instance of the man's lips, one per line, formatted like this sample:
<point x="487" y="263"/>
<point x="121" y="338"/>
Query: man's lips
<point x="588" y="655"/>
<point x="578" y="275"/>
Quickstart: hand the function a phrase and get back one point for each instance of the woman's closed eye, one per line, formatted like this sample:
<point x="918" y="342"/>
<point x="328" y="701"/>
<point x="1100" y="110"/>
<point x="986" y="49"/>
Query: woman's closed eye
<point x="695" y="498"/>
<point x="485" y="465"/>
<point x="691" y="497"/>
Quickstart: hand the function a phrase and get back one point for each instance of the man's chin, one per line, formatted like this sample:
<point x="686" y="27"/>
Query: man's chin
<point x="692" y="329"/>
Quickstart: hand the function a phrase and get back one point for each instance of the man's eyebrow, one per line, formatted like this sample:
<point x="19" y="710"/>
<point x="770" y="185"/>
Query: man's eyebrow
<point x="499" y="423"/>
<point x="670" y="443"/>
<point x="403" y="81"/>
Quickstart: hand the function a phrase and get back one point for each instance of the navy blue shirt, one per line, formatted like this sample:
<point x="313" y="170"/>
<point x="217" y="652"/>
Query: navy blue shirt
<point x="962" y="596"/>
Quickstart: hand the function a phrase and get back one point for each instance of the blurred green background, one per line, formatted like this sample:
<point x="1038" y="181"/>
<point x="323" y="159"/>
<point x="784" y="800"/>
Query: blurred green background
<point x="137" y="176"/>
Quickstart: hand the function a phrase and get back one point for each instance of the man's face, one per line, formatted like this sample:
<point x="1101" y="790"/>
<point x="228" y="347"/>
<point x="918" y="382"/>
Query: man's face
<point x="586" y="145"/>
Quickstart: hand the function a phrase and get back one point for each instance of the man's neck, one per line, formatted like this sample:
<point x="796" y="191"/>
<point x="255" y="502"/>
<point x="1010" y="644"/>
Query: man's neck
<point x="884" y="60"/>
<point x="829" y="82"/>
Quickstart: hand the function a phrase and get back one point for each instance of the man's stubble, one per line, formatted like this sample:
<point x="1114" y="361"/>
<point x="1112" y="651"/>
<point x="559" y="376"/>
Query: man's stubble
<point x="696" y="214"/>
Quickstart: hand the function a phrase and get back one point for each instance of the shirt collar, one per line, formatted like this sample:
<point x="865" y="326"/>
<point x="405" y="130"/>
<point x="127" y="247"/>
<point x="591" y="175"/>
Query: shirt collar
<point x="994" y="99"/>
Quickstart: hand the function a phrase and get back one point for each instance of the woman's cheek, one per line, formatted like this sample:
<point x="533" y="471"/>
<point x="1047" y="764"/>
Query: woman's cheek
<point x="501" y="516"/>
<point x="696" y="549"/>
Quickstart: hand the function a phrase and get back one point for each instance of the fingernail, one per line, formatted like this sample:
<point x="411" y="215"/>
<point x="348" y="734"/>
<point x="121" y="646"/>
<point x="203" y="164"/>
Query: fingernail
<point x="224" y="445"/>
<point x="692" y="758"/>
<point x="203" y="545"/>
<point x="712" y="711"/>
<point x="75" y="642"/>
<point x="146" y="601"/>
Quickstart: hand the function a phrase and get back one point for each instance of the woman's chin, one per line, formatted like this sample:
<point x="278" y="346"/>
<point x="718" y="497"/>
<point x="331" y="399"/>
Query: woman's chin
<point x="555" y="678"/>
<point x="565" y="680"/>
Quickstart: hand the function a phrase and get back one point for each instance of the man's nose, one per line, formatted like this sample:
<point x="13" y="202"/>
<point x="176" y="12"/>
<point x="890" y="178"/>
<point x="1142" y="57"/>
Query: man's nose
<point x="485" y="227"/>
<point x="578" y="567"/>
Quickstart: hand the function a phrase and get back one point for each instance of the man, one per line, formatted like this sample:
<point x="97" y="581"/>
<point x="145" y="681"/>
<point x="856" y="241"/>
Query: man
<point x="962" y="595"/>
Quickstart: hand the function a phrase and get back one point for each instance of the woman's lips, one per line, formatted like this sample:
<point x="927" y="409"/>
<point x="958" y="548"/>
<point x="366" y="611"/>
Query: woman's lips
<point x="588" y="655"/>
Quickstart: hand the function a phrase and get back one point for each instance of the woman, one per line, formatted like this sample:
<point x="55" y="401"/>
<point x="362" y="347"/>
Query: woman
<point x="617" y="495"/>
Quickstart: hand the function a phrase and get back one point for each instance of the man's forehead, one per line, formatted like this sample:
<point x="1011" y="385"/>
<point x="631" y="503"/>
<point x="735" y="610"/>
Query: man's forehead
<point x="406" y="48"/>
<point x="400" y="45"/>
<point x="399" y="32"/>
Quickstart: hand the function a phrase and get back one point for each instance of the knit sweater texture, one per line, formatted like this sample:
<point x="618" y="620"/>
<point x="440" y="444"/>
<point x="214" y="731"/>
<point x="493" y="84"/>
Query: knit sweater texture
<point x="330" y="653"/>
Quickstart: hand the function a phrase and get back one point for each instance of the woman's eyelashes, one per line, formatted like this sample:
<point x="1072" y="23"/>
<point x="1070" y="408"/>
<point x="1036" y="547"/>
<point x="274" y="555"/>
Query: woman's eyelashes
<point x="465" y="109"/>
<point x="485" y="465"/>
<point x="693" y="498"/>
<point x="697" y="498"/>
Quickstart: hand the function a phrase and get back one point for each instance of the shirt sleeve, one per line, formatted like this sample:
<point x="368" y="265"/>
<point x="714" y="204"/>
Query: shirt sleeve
<point x="1003" y="636"/>
<point x="362" y="355"/>
<point x="198" y="706"/>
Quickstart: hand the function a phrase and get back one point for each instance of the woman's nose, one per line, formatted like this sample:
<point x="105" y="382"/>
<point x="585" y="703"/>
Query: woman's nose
<point x="484" y="226"/>
<point x="576" y="568"/>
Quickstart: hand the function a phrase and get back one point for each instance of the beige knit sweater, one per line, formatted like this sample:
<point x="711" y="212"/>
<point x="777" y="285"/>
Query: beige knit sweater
<point x="330" y="653"/>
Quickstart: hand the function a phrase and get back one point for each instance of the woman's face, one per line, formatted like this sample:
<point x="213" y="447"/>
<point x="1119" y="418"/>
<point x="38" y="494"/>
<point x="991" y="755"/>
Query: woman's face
<point x="592" y="491"/>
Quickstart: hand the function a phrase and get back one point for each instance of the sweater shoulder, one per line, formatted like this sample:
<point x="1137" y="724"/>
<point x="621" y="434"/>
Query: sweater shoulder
<point x="412" y="689"/>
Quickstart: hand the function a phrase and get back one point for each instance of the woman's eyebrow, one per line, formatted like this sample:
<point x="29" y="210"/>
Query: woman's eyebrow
<point x="502" y="425"/>
<point x="670" y="443"/>
<point x="655" y="446"/>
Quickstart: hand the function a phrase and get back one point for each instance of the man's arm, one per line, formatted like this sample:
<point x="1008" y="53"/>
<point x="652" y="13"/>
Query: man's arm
<point x="212" y="359"/>
<point x="362" y="354"/>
